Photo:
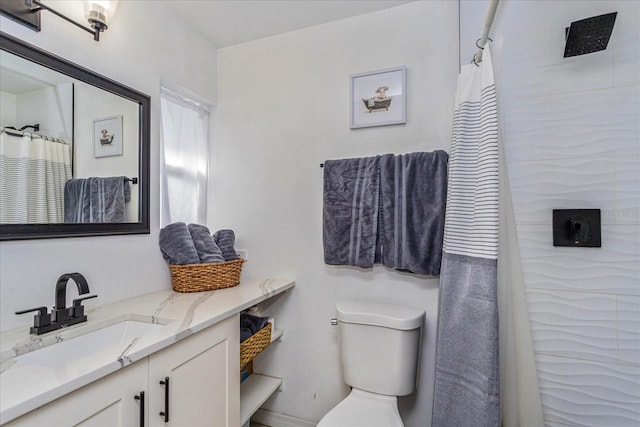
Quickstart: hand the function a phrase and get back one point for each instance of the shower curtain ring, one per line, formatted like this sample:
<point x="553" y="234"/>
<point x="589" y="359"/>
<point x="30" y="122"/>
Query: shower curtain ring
<point x="482" y="47"/>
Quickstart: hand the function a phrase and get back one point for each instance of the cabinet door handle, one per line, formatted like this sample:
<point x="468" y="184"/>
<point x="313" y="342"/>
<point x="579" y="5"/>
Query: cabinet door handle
<point x="140" y="397"/>
<point x="165" y="413"/>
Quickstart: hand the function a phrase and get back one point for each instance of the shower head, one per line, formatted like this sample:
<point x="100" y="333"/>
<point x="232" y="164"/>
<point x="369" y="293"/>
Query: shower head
<point x="589" y="35"/>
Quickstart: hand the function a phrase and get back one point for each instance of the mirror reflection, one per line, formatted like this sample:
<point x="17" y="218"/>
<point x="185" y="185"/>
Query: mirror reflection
<point x="80" y="165"/>
<point x="69" y="150"/>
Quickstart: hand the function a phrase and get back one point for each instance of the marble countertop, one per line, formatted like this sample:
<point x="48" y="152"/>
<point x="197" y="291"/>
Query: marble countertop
<point x="25" y="386"/>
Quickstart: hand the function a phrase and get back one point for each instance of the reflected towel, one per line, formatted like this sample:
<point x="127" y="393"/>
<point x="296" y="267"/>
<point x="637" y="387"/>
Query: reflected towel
<point x="413" y="199"/>
<point x="177" y="246"/>
<point x="108" y="199"/>
<point x="96" y="200"/>
<point x="206" y="247"/>
<point x="127" y="190"/>
<point x="77" y="202"/>
<point x="350" y="211"/>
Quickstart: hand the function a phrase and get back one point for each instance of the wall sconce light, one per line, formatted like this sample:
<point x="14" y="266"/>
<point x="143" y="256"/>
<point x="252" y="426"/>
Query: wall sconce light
<point x="27" y="12"/>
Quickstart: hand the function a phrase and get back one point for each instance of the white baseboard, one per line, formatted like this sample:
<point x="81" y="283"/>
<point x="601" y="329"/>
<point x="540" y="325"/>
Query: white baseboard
<point x="274" y="419"/>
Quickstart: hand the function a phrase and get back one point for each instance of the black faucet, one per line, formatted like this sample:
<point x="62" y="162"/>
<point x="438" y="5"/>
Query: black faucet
<point x="61" y="316"/>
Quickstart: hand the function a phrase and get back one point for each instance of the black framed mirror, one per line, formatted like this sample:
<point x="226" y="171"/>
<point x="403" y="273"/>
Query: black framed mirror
<point x="101" y="110"/>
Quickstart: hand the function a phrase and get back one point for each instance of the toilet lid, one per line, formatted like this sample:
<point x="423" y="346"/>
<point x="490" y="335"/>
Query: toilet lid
<point x="364" y="409"/>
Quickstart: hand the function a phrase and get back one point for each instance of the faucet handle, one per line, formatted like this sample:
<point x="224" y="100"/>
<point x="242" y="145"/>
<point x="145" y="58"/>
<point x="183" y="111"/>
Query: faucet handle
<point x="42" y="310"/>
<point x="77" y="310"/>
<point x="78" y="301"/>
<point x="43" y="318"/>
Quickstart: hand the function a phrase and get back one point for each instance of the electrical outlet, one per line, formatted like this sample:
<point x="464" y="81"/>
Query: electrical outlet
<point x="243" y="253"/>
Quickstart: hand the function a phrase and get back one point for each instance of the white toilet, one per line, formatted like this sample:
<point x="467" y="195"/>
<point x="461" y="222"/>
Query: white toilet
<point x="379" y="350"/>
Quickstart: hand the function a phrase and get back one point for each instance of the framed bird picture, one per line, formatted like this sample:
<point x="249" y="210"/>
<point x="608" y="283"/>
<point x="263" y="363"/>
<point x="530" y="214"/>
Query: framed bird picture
<point x="378" y="98"/>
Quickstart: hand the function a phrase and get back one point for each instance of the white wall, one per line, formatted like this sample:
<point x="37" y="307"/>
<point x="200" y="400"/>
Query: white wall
<point x="40" y="106"/>
<point x="283" y="109"/>
<point x="91" y="104"/>
<point x="7" y="109"/>
<point x="45" y="107"/>
<point x="571" y="131"/>
<point x="142" y="46"/>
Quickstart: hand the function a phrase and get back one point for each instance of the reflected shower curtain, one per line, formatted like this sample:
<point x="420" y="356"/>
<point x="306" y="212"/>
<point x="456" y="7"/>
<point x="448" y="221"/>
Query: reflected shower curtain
<point x="33" y="172"/>
<point x="467" y="380"/>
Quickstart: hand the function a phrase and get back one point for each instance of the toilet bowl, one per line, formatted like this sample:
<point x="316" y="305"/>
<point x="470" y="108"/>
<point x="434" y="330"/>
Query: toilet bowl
<point x="364" y="409"/>
<point x="379" y="352"/>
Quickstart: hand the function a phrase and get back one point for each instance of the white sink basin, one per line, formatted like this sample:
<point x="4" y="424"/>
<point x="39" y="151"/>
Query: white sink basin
<point x="78" y="343"/>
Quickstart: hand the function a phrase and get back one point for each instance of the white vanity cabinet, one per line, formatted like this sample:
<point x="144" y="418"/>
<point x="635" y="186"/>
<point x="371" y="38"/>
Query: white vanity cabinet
<point x="203" y="388"/>
<point x="109" y="401"/>
<point x="203" y="373"/>
<point x="202" y="367"/>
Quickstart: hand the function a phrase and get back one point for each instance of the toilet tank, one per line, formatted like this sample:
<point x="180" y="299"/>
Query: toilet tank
<point x="380" y="346"/>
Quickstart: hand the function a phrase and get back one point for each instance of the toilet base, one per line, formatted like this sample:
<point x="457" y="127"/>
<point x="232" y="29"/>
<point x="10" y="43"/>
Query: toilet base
<point x="364" y="409"/>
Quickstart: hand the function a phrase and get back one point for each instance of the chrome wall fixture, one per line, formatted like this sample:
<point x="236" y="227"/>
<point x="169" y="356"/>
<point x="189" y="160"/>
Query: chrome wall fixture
<point x="27" y="12"/>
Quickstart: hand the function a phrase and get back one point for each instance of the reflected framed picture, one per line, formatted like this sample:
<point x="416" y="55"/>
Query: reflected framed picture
<point x="107" y="137"/>
<point x="378" y="98"/>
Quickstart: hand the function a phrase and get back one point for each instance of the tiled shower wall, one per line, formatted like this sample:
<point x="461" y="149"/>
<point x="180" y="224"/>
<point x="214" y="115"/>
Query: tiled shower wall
<point x="572" y="138"/>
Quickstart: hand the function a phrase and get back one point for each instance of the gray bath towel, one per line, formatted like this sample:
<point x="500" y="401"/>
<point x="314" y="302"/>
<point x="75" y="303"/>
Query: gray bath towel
<point x="226" y="239"/>
<point x="96" y="200"/>
<point x="108" y="199"/>
<point x="250" y="324"/>
<point x="127" y="190"/>
<point x="77" y="201"/>
<point x="350" y="211"/>
<point x="207" y="249"/>
<point x="177" y="246"/>
<point x="413" y="201"/>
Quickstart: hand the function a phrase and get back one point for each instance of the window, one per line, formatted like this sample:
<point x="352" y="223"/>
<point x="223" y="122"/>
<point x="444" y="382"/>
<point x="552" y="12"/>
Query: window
<point x="184" y="159"/>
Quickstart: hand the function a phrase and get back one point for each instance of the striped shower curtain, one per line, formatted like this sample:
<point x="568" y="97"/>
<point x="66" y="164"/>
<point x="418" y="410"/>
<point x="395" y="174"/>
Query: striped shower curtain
<point x="33" y="171"/>
<point x="467" y="385"/>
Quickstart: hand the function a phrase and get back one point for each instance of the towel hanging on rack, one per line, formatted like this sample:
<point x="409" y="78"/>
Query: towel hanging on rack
<point x="386" y="209"/>
<point x="350" y="211"/>
<point x="413" y="190"/>
<point x="96" y="200"/>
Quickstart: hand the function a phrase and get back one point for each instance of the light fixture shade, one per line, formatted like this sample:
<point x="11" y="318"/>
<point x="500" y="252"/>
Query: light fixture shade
<point x="100" y="12"/>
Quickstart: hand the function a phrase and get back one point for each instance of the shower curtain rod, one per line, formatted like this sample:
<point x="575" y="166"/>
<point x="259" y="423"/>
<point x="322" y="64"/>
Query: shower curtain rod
<point x="491" y="13"/>
<point x="10" y="130"/>
<point x="35" y="127"/>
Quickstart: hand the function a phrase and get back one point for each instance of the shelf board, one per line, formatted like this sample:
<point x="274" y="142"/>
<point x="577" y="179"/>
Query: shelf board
<point x="276" y="334"/>
<point x="254" y="391"/>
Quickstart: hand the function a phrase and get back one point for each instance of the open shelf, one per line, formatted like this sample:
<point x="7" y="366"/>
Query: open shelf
<point x="276" y="334"/>
<point x="257" y="388"/>
<point x="254" y="391"/>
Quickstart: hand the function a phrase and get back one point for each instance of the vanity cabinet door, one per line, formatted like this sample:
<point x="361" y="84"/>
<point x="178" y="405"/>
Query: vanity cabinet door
<point x="201" y="373"/>
<point x="109" y="401"/>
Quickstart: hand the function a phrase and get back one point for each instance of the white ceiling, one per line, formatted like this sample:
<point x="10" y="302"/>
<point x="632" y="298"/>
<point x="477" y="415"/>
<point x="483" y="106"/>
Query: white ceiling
<point x="230" y="22"/>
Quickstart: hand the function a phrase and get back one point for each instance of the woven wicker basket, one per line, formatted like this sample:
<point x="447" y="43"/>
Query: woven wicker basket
<point x="206" y="277"/>
<point x="253" y="345"/>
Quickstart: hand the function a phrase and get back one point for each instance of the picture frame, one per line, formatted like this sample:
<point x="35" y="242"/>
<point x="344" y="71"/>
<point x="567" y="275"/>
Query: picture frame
<point x="107" y="136"/>
<point x="378" y="98"/>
